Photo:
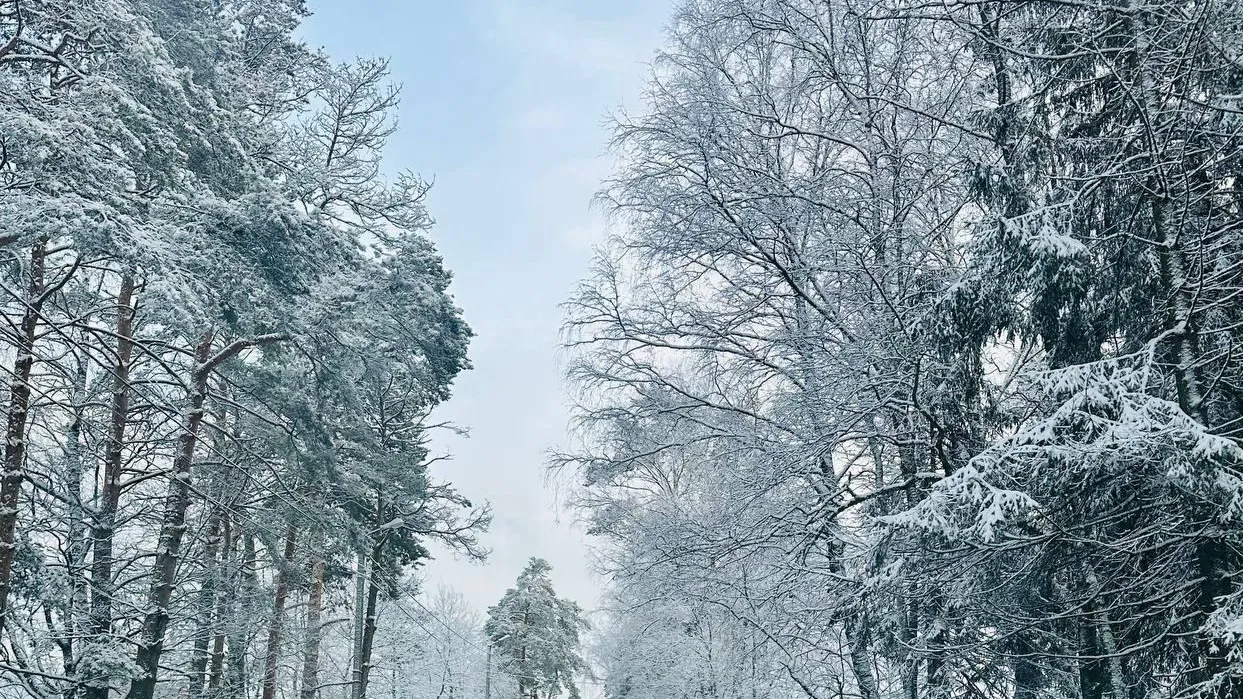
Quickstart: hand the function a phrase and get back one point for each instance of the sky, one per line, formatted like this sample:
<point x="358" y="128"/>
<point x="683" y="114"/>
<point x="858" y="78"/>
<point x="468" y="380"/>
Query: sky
<point x="506" y="106"/>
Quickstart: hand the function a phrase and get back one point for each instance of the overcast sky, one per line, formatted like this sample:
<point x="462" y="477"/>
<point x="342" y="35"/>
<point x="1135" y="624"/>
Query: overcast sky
<point x="505" y="105"/>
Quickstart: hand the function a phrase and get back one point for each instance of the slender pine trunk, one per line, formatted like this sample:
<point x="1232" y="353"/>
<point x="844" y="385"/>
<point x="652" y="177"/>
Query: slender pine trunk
<point x="276" y="626"/>
<point x="369" y="624"/>
<point x="75" y="626"/>
<point x="15" y="432"/>
<point x="103" y="529"/>
<point x="314" y="607"/>
<point x="360" y="614"/>
<point x="205" y="607"/>
<point x="223" y="596"/>
<point x="1117" y="678"/>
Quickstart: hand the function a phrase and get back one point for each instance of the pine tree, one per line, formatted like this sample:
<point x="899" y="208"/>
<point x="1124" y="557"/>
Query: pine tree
<point x="536" y="635"/>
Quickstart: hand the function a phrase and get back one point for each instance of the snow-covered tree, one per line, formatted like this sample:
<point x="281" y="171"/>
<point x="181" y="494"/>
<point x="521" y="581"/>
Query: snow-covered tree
<point x="911" y="350"/>
<point x="225" y="328"/>
<point x="536" y="636"/>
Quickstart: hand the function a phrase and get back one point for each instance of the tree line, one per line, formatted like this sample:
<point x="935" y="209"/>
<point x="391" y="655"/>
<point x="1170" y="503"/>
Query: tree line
<point x="223" y="332"/>
<point x="527" y="646"/>
<point x="911" y="367"/>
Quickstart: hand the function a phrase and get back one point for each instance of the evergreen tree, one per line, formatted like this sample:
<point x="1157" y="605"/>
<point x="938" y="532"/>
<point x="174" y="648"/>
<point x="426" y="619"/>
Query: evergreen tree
<point x="225" y="330"/>
<point x="535" y="635"/>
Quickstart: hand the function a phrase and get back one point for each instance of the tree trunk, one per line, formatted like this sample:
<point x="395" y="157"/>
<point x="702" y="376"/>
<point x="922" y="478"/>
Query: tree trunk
<point x="110" y="493"/>
<point x="861" y="658"/>
<point x="936" y="684"/>
<point x="206" y="606"/>
<point x="314" y="605"/>
<point x="369" y="624"/>
<point x="360" y="619"/>
<point x="1117" y="679"/>
<point x="223" y="596"/>
<point x="75" y="626"/>
<point x="276" y="626"/>
<point x="15" y="432"/>
<point x="1091" y="673"/>
<point x="172" y="530"/>
<point x="238" y="635"/>
<point x="1211" y="558"/>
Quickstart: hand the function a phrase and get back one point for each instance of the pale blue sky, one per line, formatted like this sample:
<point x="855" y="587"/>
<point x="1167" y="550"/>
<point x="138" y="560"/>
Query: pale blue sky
<point x="505" y="105"/>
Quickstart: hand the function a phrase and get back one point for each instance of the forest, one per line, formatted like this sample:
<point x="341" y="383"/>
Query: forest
<point x="909" y="369"/>
<point x="906" y="369"/>
<point x="225" y="328"/>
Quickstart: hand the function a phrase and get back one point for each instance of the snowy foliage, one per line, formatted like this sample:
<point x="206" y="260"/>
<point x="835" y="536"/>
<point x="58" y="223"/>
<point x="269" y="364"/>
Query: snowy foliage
<point x="536" y="636"/>
<point x="911" y="365"/>
<point x="225" y="331"/>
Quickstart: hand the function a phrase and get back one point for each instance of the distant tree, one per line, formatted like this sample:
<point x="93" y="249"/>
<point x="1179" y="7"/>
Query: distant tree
<point x="536" y="635"/>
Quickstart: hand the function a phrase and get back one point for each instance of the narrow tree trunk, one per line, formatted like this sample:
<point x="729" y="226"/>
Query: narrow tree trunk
<point x="1117" y="680"/>
<point x="276" y="626"/>
<point x="110" y="492"/>
<point x="75" y="626"/>
<point x="360" y="622"/>
<point x="523" y="673"/>
<point x="314" y="606"/>
<point x="15" y="432"/>
<point x="1091" y="682"/>
<point x="1211" y="557"/>
<point x="369" y="624"/>
<point x="205" y="607"/>
<point x="172" y="530"/>
<point x="223" y="595"/>
<point x="935" y="681"/>
<point x="1212" y="560"/>
<point x="238" y="635"/>
<point x="861" y="658"/>
<point x="910" y="636"/>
